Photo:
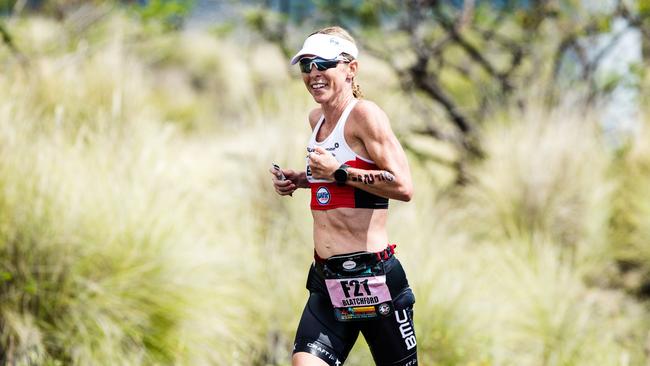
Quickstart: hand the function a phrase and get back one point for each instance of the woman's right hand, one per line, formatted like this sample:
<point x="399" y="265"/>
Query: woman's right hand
<point x="289" y="185"/>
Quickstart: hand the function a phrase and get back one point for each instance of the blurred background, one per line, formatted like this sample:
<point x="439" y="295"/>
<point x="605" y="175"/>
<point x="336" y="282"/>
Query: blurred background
<point x="138" y="224"/>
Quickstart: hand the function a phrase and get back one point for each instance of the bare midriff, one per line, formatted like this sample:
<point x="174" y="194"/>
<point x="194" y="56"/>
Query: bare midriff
<point x="348" y="230"/>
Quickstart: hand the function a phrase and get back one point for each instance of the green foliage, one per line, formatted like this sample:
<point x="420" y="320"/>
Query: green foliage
<point x="6" y="6"/>
<point x="270" y="24"/>
<point x="171" y="13"/>
<point x="630" y="222"/>
<point x="223" y="30"/>
<point x="643" y="7"/>
<point x="474" y="58"/>
<point x="368" y="14"/>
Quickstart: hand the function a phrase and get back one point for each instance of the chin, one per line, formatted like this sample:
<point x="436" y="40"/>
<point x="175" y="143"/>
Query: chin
<point x="321" y="98"/>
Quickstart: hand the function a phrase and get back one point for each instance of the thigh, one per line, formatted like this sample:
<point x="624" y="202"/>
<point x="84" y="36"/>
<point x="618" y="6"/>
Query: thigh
<point x="320" y="334"/>
<point x="392" y="339"/>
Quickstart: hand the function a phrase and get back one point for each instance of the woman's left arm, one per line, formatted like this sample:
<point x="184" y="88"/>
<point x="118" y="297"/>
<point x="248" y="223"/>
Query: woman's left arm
<point x="393" y="180"/>
<point x="372" y="128"/>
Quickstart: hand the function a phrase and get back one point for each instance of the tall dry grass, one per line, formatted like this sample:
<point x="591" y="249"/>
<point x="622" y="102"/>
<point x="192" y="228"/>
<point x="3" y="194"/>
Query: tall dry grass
<point x="124" y="241"/>
<point x="508" y="269"/>
<point x="630" y="220"/>
<point x="138" y="224"/>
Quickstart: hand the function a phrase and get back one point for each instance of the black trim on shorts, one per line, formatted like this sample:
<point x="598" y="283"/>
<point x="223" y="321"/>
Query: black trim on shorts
<point x="318" y="349"/>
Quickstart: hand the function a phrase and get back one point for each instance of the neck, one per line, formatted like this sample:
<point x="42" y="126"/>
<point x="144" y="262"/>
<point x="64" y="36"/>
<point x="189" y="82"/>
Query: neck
<point x="333" y="109"/>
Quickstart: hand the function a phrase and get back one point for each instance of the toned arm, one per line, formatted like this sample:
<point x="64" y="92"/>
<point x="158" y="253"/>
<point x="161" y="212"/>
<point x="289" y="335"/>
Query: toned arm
<point x="393" y="180"/>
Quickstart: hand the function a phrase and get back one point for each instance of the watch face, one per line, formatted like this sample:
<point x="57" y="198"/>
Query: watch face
<point x="341" y="175"/>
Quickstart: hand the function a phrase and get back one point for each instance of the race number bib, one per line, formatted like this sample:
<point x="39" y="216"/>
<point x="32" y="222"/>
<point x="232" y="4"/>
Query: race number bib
<point x="360" y="298"/>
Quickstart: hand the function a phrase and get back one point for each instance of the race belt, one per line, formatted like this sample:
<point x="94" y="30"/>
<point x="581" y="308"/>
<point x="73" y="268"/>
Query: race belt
<point x="356" y="284"/>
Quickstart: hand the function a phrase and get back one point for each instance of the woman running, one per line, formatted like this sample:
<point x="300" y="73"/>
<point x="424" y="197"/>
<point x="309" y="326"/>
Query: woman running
<point x="355" y="164"/>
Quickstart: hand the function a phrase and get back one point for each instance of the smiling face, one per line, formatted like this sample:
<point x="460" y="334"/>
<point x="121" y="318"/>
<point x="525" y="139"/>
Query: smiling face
<point x="329" y="85"/>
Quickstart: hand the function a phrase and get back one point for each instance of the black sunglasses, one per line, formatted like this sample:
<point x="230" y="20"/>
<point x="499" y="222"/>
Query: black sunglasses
<point x="320" y="63"/>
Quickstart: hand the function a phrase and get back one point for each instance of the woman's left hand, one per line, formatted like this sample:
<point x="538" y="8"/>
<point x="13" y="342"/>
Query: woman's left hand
<point x="322" y="164"/>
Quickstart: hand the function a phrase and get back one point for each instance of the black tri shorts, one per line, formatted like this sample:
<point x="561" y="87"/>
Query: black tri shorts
<point x="391" y="338"/>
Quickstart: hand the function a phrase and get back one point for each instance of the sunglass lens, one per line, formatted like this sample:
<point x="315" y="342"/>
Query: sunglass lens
<point x="305" y="64"/>
<point x="321" y="64"/>
<point x="326" y="64"/>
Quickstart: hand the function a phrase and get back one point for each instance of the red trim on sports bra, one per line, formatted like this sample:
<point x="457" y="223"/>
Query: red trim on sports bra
<point x="329" y="195"/>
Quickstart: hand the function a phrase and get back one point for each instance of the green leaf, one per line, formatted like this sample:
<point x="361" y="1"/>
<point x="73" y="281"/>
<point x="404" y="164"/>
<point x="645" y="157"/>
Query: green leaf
<point x="369" y="14"/>
<point x="5" y="276"/>
<point x="644" y="8"/>
<point x="31" y="287"/>
<point x="604" y="24"/>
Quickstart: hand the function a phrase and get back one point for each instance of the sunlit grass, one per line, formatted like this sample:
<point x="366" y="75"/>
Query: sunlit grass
<point x="503" y="267"/>
<point x="631" y="224"/>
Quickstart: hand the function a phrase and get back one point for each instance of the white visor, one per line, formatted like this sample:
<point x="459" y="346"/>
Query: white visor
<point x="326" y="46"/>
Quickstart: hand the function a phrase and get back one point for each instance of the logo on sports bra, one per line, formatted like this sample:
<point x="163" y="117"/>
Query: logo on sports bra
<point x="330" y="149"/>
<point x="323" y="195"/>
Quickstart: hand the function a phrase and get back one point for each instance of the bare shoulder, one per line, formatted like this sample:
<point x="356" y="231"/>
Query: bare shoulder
<point x="369" y="117"/>
<point x="314" y="116"/>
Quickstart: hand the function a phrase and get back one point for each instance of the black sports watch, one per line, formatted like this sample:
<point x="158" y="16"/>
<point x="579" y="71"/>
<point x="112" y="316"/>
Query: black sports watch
<point x="341" y="174"/>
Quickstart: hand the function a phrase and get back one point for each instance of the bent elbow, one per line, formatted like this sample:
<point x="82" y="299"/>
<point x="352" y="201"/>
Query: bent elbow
<point x="405" y="193"/>
<point x="407" y="196"/>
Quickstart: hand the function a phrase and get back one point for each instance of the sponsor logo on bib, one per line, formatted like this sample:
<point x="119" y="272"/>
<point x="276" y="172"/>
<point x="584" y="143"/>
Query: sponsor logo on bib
<point x="384" y="309"/>
<point x="323" y="195"/>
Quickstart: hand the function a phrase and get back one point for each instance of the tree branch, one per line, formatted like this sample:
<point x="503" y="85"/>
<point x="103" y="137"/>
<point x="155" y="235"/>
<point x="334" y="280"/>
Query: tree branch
<point x="474" y="53"/>
<point x="7" y="39"/>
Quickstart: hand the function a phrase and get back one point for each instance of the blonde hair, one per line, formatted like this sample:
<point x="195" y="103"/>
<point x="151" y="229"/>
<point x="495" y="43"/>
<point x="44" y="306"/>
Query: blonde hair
<point x="340" y="32"/>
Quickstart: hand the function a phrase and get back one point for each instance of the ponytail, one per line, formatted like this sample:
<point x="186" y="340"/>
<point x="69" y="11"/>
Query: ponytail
<point x="356" y="90"/>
